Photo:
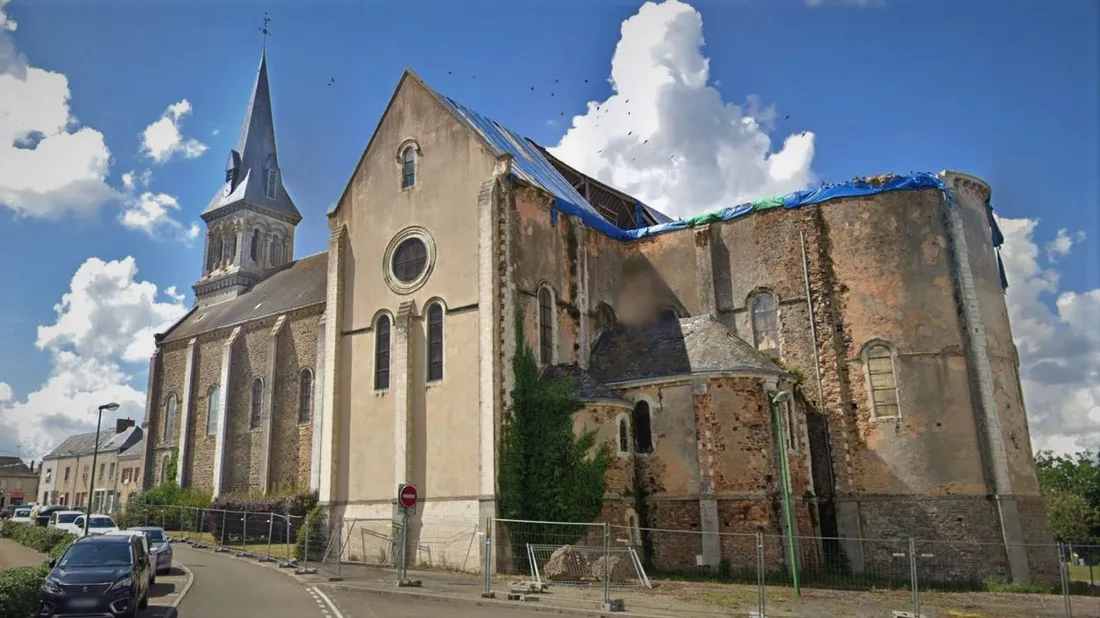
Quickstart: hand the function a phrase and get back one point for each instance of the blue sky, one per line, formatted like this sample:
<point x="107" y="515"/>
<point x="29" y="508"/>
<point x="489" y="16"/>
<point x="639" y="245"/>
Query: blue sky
<point x="1010" y="95"/>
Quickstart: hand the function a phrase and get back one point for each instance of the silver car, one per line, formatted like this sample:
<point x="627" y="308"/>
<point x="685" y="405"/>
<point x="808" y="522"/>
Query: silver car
<point x="159" y="544"/>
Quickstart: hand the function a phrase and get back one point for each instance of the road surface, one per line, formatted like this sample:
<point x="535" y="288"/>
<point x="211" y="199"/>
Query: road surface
<point x="228" y="587"/>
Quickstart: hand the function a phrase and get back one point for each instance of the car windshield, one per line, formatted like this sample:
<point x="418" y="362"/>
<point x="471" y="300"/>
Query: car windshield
<point x="22" y="512"/>
<point x="101" y="522"/>
<point x="67" y="518"/>
<point x="96" y="555"/>
<point x="155" y="536"/>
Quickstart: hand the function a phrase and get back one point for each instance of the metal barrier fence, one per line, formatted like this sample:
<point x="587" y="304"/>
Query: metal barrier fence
<point x="656" y="571"/>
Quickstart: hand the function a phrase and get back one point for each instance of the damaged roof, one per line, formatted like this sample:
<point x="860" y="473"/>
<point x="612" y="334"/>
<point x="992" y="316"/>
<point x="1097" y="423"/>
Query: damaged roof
<point x="300" y="284"/>
<point x="585" y="386"/>
<point x="699" y="344"/>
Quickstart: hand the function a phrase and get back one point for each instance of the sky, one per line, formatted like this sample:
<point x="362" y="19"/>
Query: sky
<point x="116" y="118"/>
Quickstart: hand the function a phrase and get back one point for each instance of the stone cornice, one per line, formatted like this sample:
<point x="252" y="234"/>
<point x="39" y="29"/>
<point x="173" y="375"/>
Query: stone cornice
<point x="969" y="182"/>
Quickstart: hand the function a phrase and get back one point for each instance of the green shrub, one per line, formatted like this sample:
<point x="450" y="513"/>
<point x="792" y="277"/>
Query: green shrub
<point x="38" y="538"/>
<point x="19" y="590"/>
<point x="311" y="535"/>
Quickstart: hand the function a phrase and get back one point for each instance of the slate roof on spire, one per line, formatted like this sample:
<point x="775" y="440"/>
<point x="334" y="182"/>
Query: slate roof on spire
<point x="258" y="154"/>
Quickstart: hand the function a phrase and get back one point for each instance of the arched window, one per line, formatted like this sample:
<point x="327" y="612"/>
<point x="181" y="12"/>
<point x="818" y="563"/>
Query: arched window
<point x="257" y="403"/>
<point x="765" y="322"/>
<point x="605" y="317"/>
<point x="254" y="247"/>
<point x="213" y="409"/>
<point x="382" y="353"/>
<point x="305" y="395"/>
<point x="668" y="314"/>
<point x="171" y="412"/>
<point x="643" y="435"/>
<point x="546" y="325"/>
<point x="408" y="168"/>
<point x="882" y="381"/>
<point x="231" y="246"/>
<point x="275" y="253"/>
<point x="632" y="524"/>
<point x="213" y="252"/>
<point x="624" y="436"/>
<point x="435" y="342"/>
<point x="216" y="252"/>
<point x="164" y="468"/>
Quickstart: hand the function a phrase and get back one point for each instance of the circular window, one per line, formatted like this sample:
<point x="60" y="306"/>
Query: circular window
<point x="408" y="260"/>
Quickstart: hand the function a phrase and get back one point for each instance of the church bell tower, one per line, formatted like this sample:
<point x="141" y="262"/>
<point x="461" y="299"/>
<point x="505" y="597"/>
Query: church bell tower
<point x="250" y="222"/>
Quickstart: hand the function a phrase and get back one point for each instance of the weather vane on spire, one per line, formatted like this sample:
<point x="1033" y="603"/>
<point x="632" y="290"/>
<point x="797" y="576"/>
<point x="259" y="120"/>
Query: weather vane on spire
<point x="264" y="29"/>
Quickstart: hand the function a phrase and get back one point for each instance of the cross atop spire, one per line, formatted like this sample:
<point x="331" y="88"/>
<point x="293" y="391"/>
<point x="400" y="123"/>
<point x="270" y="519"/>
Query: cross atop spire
<point x="263" y="29"/>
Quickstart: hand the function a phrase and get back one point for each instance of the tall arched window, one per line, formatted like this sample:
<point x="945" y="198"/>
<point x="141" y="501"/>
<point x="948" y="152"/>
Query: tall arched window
<point x="882" y="381"/>
<point x="216" y="252"/>
<point x="257" y="403"/>
<point x="435" y="342"/>
<point x="213" y="409"/>
<point x="275" y="252"/>
<point x="643" y="433"/>
<point x="546" y="325"/>
<point x="408" y="168"/>
<point x="382" y="353"/>
<point x="605" y="317"/>
<point x="254" y="247"/>
<point x="171" y="414"/>
<point x="231" y="246"/>
<point x="305" y="395"/>
<point x="624" y="436"/>
<point x="765" y="322"/>
<point x="164" y="468"/>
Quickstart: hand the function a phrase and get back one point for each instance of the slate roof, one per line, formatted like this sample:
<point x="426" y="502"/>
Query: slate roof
<point x="257" y="151"/>
<point x="124" y="442"/>
<point x="585" y="386"/>
<point x="299" y="284"/>
<point x="699" y="344"/>
<point x="14" y="466"/>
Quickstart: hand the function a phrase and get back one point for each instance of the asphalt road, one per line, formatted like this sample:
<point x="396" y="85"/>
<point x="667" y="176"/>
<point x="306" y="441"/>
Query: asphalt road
<point x="227" y="587"/>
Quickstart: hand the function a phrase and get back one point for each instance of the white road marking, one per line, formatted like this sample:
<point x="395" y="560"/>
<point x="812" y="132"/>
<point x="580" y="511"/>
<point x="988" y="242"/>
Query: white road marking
<point x="328" y="601"/>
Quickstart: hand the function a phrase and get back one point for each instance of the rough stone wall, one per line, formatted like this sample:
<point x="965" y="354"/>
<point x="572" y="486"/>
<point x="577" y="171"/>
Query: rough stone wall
<point x="603" y="418"/>
<point x="296" y="349"/>
<point x="244" y="444"/>
<point x="200" y="443"/>
<point x="174" y="371"/>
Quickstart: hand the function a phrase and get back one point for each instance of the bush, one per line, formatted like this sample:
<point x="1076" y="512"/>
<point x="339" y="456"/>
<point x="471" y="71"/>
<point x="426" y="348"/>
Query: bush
<point x="19" y="590"/>
<point x="311" y="535"/>
<point x="228" y="522"/>
<point x="166" y="505"/>
<point x="40" y="539"/>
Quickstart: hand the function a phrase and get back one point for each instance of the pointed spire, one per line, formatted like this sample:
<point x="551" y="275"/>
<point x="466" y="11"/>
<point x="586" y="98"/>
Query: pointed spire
<point x="257" y="179"/>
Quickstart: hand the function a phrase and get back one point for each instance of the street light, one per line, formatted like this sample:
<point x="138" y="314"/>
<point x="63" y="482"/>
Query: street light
<point x="110" y="407"/>
<point x="777" y="399"/>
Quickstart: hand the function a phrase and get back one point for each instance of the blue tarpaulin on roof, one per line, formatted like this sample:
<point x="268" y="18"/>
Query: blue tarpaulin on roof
<point x="530" y="166"/>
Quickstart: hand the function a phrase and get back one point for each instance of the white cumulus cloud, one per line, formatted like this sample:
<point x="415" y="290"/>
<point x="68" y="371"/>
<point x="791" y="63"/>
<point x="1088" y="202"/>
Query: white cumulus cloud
<point x="163" y="139"/>
<point x="102" y="334"/>
<point x="1057" y="333"/>
<point x="667" y="137"/>
<point x="5" y="392"/>
<point x="49" y="164"/>
<point x="152" y="214"/>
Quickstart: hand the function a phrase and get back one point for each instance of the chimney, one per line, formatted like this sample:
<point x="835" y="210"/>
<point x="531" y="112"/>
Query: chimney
<point x="32" y="465"/>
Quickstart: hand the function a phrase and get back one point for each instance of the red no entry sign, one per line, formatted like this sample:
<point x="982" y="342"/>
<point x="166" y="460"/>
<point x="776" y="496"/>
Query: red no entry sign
<point x="407" y="495"/>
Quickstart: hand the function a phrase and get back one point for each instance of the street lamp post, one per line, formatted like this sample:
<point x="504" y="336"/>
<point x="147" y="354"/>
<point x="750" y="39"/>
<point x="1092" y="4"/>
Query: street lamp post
<point x="110" y="407"/>
<point x="777" y="399"/>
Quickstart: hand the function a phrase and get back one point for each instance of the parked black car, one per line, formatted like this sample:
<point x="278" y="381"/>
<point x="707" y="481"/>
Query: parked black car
<point x="98" y="576"/>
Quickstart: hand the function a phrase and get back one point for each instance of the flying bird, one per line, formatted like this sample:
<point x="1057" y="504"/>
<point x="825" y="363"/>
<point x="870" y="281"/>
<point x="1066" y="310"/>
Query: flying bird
<point x="331" y="81"/>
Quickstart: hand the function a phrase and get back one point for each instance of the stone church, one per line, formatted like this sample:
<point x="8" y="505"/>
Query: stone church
<point x="878" y="303"/>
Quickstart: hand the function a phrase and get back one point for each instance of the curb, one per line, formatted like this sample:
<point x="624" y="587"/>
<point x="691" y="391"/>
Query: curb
<point x="479" y="602"/>
<point x="254" y="562"/>
<point x="186" y="587"/>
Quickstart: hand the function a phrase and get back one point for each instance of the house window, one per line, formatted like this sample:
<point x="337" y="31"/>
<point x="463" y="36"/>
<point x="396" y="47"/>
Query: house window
<point x="112" y="474"/>
<point x="643" y="436"/>
<point x="171" y="409"/>
<point x="254" y="247"/>
<point x="881" y="381"/>
<point x="66" y="474"/>
<point x="435" y="342"/>
<point x="305" y="395"/>
<point x="49" y="474"/>
<point x="382" y="353"/>
<point x="272" y="183"/>
<point x="257" y="403"/>
<point x="408" y="168"/>
<point x="546" y="325"/>
<point x="765" y="323"/>
<point x="624" y="436"/>
<point x="213" y="409"/>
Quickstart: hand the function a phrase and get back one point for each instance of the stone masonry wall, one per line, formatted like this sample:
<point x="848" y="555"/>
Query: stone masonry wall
<point x="296" y="350"/>
<point x="202" y="443"/>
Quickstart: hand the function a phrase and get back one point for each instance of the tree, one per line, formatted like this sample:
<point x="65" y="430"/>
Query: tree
<point x="547" y="473"/>
<point x="1071" y="493"/>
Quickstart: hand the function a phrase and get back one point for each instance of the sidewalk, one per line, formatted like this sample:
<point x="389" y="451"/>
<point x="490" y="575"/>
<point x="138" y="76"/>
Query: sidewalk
<point x="14" y="555"/>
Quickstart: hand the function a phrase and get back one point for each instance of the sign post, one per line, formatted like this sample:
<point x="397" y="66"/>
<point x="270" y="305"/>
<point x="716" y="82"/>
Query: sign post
<point x="407" y="497"/>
